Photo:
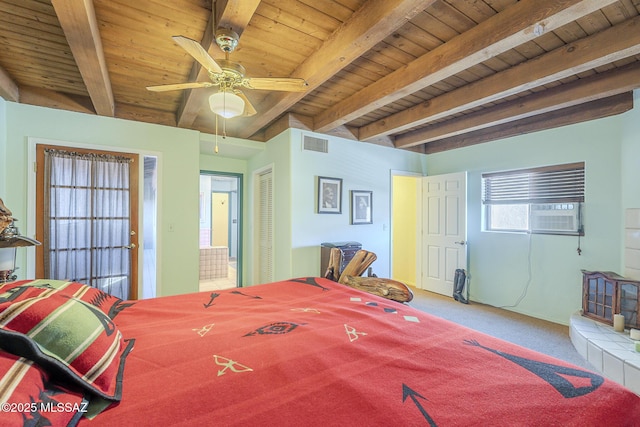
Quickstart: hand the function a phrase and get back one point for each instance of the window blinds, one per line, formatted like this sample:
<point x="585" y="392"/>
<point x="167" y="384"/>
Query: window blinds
<point x="550" y="184"/>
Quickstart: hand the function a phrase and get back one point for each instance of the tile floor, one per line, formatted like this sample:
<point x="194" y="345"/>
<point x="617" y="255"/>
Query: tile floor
<point x="221" y="283"/>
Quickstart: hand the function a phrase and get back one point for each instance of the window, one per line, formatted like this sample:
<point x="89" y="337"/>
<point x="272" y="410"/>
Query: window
<point x="545" y="200"/>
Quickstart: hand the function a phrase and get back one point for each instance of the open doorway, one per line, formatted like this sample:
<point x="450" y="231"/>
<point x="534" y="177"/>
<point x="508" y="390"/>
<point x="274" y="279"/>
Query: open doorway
<point x="220" y="230"/>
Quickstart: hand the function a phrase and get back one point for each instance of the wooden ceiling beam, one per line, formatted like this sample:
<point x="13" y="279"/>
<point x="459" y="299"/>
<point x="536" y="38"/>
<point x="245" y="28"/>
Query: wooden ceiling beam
<point x="146" y="115"/>
<point x="602" y="48"/>
<point x="52" y="99"/>
<point x="78" y="21"/>
<point x="522" y="22"/>
<point x="600" y="86"/>
<point x="234" y="14"/>
<point x="231" y="14"/>
<point x="8" y="88"/>
<point x="374" y="21"/>
<point x="81" y="104"/>
<point x="598" y="109"/>
<point x="287" y="121"/>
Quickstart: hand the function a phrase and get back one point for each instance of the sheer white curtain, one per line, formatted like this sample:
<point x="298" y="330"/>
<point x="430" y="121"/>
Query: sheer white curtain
<point x="87" y="220"/>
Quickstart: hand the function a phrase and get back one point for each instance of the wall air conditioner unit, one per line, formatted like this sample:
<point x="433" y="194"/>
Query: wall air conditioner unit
<point x="563" y="218"/>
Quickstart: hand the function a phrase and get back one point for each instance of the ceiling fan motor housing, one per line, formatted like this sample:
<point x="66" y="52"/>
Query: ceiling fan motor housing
<point x="227" y="39"/>
<point x="232" y="75"/>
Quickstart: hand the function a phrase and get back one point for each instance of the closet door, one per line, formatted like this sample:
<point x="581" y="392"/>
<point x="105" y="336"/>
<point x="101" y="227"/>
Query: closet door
<point x="265" y="227"/>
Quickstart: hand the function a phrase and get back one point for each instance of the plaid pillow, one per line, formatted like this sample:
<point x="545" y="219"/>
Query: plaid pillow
<point x="69" y="338"/>
<point x="23" y="289"/>
<point x="28" y="398"/>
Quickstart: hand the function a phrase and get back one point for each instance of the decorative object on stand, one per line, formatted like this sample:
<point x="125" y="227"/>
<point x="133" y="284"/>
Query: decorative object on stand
<point x="329" y="195"/>
<point x="618" y="322"/>
<point x="361" y="207"/>
<point x="351" y="276"/>
<point x="610" y="298"/>
<point x="6" y="217"/>
<point x="347" y="251"/>
<point x="10" y="240"/>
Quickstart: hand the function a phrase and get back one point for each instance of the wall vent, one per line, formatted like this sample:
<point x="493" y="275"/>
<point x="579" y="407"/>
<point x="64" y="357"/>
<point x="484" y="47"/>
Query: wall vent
<point x="311" y="143"/>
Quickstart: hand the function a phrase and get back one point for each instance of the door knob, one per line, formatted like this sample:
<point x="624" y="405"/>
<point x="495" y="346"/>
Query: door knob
<point x="131" y="246"/>
<point x="461" y="243"/>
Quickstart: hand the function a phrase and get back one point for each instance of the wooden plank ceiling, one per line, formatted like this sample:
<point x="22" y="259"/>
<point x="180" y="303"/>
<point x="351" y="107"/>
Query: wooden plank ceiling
<point x="424" y="75"/>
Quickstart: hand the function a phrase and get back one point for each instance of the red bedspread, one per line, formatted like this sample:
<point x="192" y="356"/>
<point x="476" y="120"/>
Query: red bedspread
<point x="313" y="352"/>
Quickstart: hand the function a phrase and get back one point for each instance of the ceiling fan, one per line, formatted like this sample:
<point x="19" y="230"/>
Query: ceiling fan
<point x="229" y="76"/>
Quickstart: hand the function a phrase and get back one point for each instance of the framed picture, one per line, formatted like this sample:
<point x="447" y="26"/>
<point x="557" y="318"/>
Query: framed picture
<point x="329" y="195"/>
<point x="361" y="207"/>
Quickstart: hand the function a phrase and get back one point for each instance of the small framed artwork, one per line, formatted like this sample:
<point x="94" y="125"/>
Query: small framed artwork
<point x="361" y="207"/>
<point x="329" y="195"/>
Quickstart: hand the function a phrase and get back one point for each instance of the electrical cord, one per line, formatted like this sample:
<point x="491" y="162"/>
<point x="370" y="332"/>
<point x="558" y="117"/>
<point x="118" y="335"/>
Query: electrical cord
<point x="580" y="228"/>
<point x="529" y="279"/>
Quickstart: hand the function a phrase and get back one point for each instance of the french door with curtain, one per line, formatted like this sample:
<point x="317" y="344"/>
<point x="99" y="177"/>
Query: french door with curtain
<point x="89" y="226"/>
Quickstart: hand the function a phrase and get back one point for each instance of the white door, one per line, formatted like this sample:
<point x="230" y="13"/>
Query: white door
<point x="444" y="230"/>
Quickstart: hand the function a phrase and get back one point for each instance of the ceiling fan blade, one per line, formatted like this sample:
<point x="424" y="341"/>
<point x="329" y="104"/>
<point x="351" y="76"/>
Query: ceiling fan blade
<point x="249" y="110"/>
<point x="196" y="50"/>
<point x="276" y="83"/>
<point x="179" y="86"/>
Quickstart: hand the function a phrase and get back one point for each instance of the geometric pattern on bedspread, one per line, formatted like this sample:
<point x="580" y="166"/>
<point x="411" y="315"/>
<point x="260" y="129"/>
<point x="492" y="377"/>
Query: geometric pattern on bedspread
<point x="310" y="351"/>
<point x="28" y="398"/>
<point x="24" y="289"/>
<point x="61" y="326"/>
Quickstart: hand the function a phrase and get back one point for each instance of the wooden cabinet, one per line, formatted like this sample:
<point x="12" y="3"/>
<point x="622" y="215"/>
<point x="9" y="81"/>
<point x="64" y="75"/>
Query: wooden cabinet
<point x="628" y="302"/>
<point x="605" y="293"/>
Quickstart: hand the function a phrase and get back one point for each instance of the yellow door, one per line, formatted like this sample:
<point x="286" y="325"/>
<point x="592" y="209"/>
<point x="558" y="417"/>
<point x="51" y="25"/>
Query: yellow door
<point x="220" y="219"/>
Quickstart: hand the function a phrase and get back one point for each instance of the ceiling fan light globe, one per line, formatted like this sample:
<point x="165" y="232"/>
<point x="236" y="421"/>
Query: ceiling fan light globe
<point x="226" y="104"/>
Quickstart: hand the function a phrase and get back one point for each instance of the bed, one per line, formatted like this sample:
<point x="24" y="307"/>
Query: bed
<point x="306" y="351"/>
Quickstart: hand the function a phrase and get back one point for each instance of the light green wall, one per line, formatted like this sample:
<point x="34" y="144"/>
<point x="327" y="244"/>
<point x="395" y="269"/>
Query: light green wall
<point x="222" y="164"/>
<point x="277" y="157"/>
<point x="361" y="168"/>
<point x="3" y="146"/>
<point x="219" y="163"/>
<point x="631" y="157"/>
<point x="499" y="263"/>
<point x="178" y="151"/>
<point x="298" y="230"/>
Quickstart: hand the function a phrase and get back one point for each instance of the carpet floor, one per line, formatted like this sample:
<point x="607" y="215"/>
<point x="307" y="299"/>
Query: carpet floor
<point x="539" y="335"/>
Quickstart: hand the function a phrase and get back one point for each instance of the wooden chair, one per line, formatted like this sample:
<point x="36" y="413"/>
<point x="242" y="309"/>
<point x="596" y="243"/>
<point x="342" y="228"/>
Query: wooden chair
<point x="351" y="276"/>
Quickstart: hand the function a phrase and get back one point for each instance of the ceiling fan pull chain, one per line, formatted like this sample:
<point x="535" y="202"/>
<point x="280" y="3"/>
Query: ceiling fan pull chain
<point x="216" y="149"/>
<point x="224" y="128"/>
